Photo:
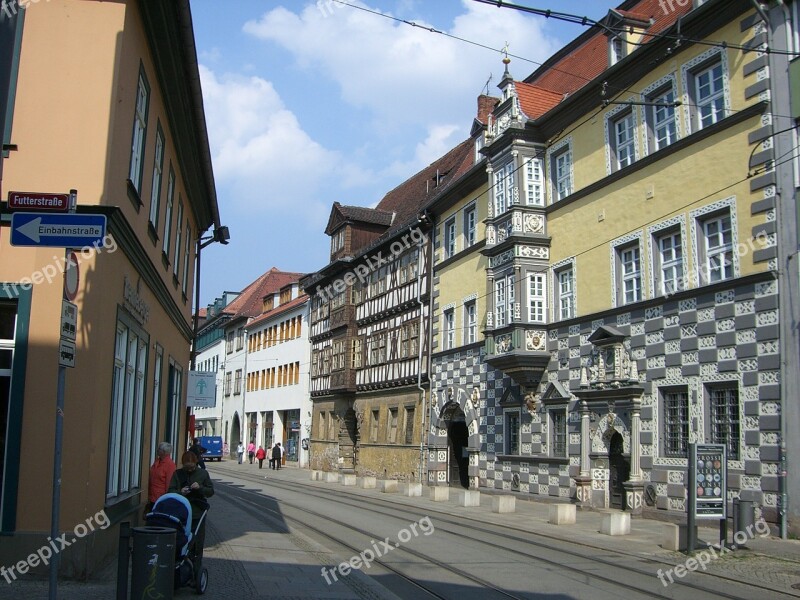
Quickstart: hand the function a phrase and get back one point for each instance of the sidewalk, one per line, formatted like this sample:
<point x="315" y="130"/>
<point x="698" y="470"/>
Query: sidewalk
<point x="767" y="561"/>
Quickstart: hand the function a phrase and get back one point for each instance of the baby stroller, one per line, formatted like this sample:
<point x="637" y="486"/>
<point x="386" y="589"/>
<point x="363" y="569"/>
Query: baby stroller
<point x="174" y="511"/>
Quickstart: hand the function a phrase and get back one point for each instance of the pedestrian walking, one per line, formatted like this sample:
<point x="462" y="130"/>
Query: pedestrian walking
<point x="260" y="455"/>
<point x="198" y="450"/>
<point x="251" y="451"/>
<point x="276" y="456"/>
<point x="161" y="473"/>
<point x="240" y="452"/>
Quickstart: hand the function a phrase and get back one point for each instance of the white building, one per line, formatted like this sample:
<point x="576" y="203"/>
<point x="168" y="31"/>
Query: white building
<point x="211" y="358"/>
<point x="277" y="401"/>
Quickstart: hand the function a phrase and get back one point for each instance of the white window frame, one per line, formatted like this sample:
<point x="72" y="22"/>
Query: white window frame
<point x="720" y="98"/>
<point x="187" y="251"/>
<point x="156" y="403"/>
<point x="534" y="188"/>
<point x="619" y="276"/>
<point x="450" y="237"/>
<point x="158" y="168"/>
<point x="670" y="262"/>
<point x="141" y="108"/>
<point x="537" y="297"/>
<point x="614" y="117"/>
<point x="562" y="182"/>
<point x="616" y="48"/>
<point x="503" y="179"/>
<point x="178" y="224"/>
<point x="553" y="433"/>
<point x="168" y="211"/>
<point x="508" y="446"/>
<point x="470" y="225"/>
<point x="700" y="218"/>
<point x="630" y="258"/>
<point x="470" y="322"/>
<point x="449" y="328"/>
<point x="500" y="302"/>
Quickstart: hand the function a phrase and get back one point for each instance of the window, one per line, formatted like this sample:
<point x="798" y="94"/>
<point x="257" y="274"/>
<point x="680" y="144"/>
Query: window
<point x="676" y="423"/>
<point x="562" y="173"/>
<point x="630" y="273"/>
<point x="450" y="237"/>
<point x="158" y="167"/>
<point x="558" y="437"/>
<point x="337" y="241"/>
<point x="239" y="338"/>
<point x="470" y="323"/>
<point x="186" y="253"/>
<point x="227" y="385"/>
<point x="139" y="131"/>
<point x="321" y="426"/>
<point x="503" y="188"/>
<point x="237" y="383"/>
<point x="373" y="430"/>
<point x="127" y="410"/>
<point x="357" y="354"/>
<point x="338" y="357"/>
<point x="566" y="293"/>
<point x="392" y="425"/>
<point x="533" y="182"/>
<point x="409" y="429"/>
<point x="669" y="258"/>
<point x="623" y="135"/>
<point x="157" y="368"/>
<point x="178" y="222"/>
<point x="504" y="300"/>
<point x="174" y="407"/>
<point x="662" y="122"/>
<point x="537" y="297"/>
<point x="717" y="248"/>
<point x="470" y="221"/>
<point x="512" y="432"/>
<point x="709" y="89"/>
<point x="616" y="49"/>
<point x="168" y="210"/>
<point x="725" y="419"/>
<point x="449" y="333"/>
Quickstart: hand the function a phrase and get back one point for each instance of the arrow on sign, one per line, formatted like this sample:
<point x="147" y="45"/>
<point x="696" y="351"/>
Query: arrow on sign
<point x="33" y="230"/>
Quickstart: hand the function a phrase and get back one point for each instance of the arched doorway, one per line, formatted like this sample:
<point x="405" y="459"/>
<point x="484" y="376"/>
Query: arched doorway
<point x="236" y="434"/>
<point x="457" y="444"/>
<point x="619" y="471"/>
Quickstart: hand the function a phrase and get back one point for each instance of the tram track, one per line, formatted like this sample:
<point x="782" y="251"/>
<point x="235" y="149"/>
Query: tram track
<point x="535" y="546"/>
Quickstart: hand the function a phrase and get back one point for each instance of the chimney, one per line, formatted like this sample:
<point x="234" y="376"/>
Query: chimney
<point x="486" y="105"/>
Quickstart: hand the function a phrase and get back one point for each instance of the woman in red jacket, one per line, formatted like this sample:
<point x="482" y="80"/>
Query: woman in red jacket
<point x="261" y="455"/>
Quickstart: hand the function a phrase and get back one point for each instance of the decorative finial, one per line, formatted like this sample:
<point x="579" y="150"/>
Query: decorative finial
<point x="506" y="60"/>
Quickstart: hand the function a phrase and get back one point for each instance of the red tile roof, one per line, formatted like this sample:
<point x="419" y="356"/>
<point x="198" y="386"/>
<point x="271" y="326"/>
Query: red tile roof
<point x="589" y="57"/>
<point x="250" y="302"/>
<point x="534" y="100"/>
<point x="279" y="310"/>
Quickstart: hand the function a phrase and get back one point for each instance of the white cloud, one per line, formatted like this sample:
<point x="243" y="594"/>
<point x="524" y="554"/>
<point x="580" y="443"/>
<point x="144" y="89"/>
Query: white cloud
<point x="262" y="156"/>
<point x="405" y="75"/>
<point x="440" y="139"/>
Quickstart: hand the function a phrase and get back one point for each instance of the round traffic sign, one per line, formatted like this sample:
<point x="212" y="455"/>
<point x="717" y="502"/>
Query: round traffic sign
<point x="71" y="276"/>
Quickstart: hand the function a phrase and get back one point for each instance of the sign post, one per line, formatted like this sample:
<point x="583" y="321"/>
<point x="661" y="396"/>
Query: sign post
<point x="708" y="494"/>
<point x="202" y="389"/>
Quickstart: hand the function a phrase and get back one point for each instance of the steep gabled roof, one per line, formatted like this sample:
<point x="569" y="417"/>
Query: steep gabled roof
<point x="534" y="100"/>
<point x="279" y="310"/>
<point x="250" y="302"/>
<point x="341" y="213"/>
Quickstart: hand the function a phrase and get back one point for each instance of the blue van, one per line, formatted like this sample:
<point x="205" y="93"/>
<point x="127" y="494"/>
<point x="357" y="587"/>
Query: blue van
<point x="213" y="446"/>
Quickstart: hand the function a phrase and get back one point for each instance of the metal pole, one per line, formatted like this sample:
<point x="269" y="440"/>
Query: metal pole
<point x="59" y="435"/>
<point x="691" y="534"/>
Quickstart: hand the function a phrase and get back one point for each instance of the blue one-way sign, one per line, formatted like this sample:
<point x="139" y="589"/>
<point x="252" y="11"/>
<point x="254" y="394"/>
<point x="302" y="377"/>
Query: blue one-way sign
<point x="70" y="230"/>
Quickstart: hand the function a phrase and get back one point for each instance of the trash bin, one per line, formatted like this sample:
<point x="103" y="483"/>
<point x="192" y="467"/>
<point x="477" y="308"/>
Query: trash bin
<point x="153" y="563"/>
<point x="744" y="519"/>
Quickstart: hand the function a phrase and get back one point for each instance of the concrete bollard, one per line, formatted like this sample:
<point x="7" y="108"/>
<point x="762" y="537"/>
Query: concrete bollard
<point x="674" y="537"/>
<point x="331" y="477"/>
<point x="561" y="514"/>
<point x="348" y="479"/>
<point x="469" y="498"/>
<point x="388" y="486"/>
<point x="616" y="524"/>
<point x="367" y="483"/>
<point x="439" y="493"/>
<point x="316" y="476"/>
<point x="504" y="504"/>
<point x="411" y="489"/>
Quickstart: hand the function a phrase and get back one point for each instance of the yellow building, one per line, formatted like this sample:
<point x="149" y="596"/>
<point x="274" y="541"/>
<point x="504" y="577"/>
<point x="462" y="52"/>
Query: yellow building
<point x="630" y="261"/>
<point x="106" y="101"/>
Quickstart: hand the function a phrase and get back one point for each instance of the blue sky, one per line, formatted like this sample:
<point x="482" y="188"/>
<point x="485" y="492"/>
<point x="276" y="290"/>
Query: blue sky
<point x="308" y="103"/>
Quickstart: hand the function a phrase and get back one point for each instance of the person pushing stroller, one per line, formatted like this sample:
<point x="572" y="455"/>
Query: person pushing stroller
<point x="196" y="486"/>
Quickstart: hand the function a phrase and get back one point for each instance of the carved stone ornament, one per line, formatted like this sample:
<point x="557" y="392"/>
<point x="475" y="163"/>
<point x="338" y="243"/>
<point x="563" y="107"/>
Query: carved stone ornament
<point x="490" y="234"/>
<point x="534" y="251"/>
<point x="531" y="402"/>
<point x="533" y="224"/>
<point x="503" y="344"/>
<point x="535" y="340"/>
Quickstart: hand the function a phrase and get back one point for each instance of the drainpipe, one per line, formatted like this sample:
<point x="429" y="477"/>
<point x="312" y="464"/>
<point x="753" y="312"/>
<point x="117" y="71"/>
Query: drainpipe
<point x="423" y="219"/>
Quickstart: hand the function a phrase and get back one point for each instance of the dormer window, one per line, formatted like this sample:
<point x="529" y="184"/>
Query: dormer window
<point x="616" y="49"/>
<point x="337" y="241"/>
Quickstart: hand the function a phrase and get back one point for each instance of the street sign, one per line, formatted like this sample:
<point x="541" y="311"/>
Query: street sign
<point x="69" y="320"/>
<point x="69" y="230"/>
<point x="66" y="354"/>
<point x="202" y="389"/>
<point x="38" y="201"/>
<point x="71" y="276"/>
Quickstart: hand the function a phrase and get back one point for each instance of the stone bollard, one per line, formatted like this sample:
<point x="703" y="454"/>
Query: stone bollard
<point x="439" y="493"/>
<point x="616" y="524"/>
<point x="504" y="504"/>
<point x="469" y="498"/>
<point x="331" y="477"/>
<point x="561" y="514"/>
<point x="411" y="489"/>
<point x="316" y="476"/>
<point x="367" y="483"/>
<point x="348" y="479"/>
<point x="674" y="537"/>
<point x="389" y="486"/>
